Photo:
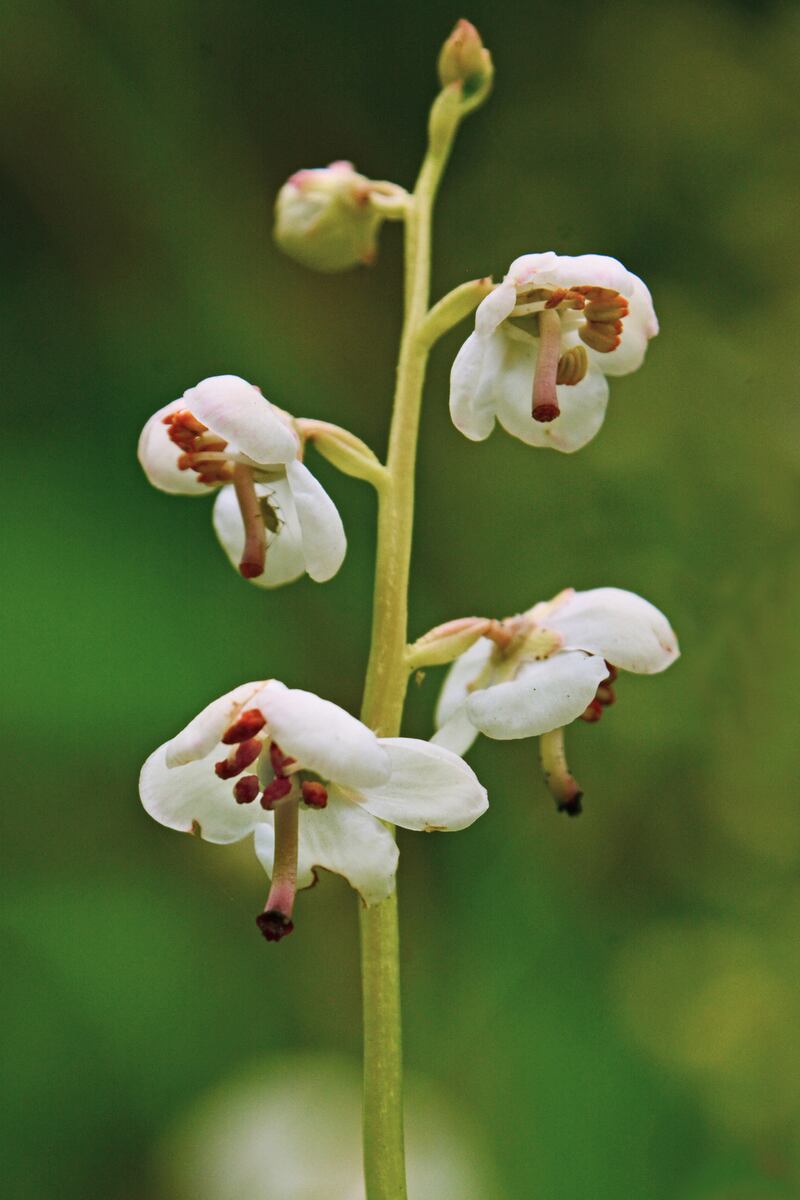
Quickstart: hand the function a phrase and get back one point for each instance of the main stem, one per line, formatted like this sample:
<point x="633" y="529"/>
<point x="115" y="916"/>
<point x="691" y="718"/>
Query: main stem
<point x="385" y="690"/>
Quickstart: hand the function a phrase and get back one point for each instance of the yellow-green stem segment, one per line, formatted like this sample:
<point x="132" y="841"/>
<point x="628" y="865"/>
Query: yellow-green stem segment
<point x="387" y="674"/>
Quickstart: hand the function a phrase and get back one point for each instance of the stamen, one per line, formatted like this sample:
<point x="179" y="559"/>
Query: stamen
<point x="544" y="407"/>
<point x="562" y="784"/>
<point x="279" y="760"/>
<point x="248" y="724"/>
<point x="572" y="366"/>
<point x="244" y="754"/>
<point x="593" y="712"/>
<point x="315" y="794"/>
<point x="605" y="695"/>
<point x="612" y="673"/>
<point x="255" y="537"/>
<point x="274" y="791"/>
<point x="246" y="789"/>
<point x="605" y="311"/>
<point x="275" y="922"/>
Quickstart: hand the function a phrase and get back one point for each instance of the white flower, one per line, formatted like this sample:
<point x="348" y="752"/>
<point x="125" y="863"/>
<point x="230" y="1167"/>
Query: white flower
<point x="544" y="341"/>
<point x="274" y="520"/>
<point x="539" y="671"/>
<point x="314" y="784"/>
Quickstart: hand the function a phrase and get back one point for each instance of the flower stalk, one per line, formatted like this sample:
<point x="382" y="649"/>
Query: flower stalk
<point x="387" y="672"/>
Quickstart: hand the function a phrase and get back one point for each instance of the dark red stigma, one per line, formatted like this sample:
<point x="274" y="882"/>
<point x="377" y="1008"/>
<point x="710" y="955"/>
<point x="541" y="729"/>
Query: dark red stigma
<point x="274" y="925"/>
<point x="572" y="807"/>
<point x="546" y="413"/>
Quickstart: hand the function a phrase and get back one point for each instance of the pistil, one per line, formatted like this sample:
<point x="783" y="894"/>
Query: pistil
<point x="254" y="555"/>
<point x="557" y="775"/>
<point x="275" y="922"/>
<point x="544" y="407"/>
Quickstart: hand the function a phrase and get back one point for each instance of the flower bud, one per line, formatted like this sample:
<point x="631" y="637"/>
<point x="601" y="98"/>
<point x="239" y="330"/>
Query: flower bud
<point x="465" y="60"/>
<point x="446" y="642"/>
<point x="324" y="218"/>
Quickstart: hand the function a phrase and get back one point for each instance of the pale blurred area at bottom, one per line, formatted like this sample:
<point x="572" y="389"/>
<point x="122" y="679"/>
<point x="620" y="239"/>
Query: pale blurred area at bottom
<point x="290" y="1129"/>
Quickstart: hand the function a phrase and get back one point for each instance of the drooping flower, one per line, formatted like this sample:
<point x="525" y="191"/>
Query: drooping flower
<point x="544" y="341"/>
<point x="536" y="672"/>
<point x="328" y="218"/>
<point x="274" y="520"/>
<point x="314" y="784"/>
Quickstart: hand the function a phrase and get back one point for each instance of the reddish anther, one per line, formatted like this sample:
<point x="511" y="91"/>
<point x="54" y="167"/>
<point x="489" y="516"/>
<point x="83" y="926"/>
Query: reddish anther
<point x="612" y="673"/>
<point x="276" y="790"/>
<point x="247" y="725"/>
<point x="605" y="695"/>
<point x="246" y="789"/>
<point x="278" y="759"/>
<point x="314" y="794"/>
<point x="244" y="754"/>
<point x="593" y="712"/>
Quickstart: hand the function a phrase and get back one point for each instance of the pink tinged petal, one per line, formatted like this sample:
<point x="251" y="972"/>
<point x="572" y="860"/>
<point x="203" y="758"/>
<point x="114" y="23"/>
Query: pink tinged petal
<point x="543" y="696"/>
<point x="457" y="733"/>
<point x="494" y="308"/>
<point x="192" y="799"/>
<point x="205" y="730"/>
<point x="324" y="541"/>
<point x="530" y="268"/>
<point x="343" y="838"/>
<point x="323" y="737"/>
<point x="583" y="406"/>
<point x="620" y="626"/>
<point x="464" y="670"/>
<point x="159" y="456"/>
<point x="430" y="788"/>
<point x="472" y="379"/>
<point x="238" y="412"/>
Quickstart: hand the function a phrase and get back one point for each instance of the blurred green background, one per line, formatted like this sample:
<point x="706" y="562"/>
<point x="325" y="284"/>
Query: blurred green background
<point x="614" y="1002"/>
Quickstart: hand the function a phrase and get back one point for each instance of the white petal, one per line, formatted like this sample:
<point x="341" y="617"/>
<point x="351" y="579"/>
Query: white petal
<point x="204" y="731"/>
<point x="193" y="799"/>
<point x="342" y="838"/>
<point x="285" y="559"/>
<point x="237" y="411"/>
<point x="544" y="696"/>
<point x="626" y="630"/>
<point x="159" y="456"/>
<point x="457" y="733"/>
<point x="461" y="674"/>
<point x="324" y="541"/>
<point x="494" y="308"/>
<point x="472" y="379"/>
<point x="430" y="788"/>
<point x="323" y="737"/>
<point x="583" y="406"/>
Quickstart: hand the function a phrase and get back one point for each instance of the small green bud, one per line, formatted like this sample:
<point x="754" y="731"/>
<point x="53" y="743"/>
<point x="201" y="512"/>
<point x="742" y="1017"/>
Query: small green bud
<point x="464" y="59"/>
<point x="324" y="218"/>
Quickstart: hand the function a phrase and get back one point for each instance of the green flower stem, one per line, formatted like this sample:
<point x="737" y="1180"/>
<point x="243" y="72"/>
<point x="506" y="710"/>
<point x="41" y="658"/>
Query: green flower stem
<point x="387" y="675"/>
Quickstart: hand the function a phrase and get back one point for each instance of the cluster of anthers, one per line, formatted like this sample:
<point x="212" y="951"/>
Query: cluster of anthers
<point x="275" y="775"/>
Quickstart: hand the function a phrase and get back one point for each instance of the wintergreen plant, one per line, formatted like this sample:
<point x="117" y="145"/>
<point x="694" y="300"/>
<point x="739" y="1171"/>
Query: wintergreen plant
<point x="316" y="787"/>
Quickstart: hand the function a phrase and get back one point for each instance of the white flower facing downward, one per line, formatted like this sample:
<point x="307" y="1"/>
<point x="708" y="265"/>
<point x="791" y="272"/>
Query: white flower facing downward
<point x="314" y="784"/>
<point x="274" y="520"/>
<point x="541" y="670"/>
<point x="544" y="341"/>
